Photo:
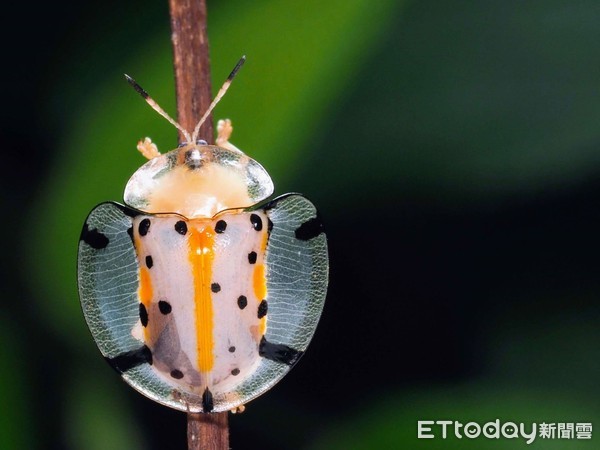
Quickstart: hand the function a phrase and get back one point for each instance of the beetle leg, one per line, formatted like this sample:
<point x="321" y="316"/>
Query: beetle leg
<point x="148" y="148"/>
<point x="224" y="130"/>
<point x="238" y="409"/>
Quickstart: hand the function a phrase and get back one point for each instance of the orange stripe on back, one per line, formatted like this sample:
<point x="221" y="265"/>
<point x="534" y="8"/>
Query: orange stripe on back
<point x="201" y="246"/>
<point x="145" y="292"/>
<point x="259" y="282"/>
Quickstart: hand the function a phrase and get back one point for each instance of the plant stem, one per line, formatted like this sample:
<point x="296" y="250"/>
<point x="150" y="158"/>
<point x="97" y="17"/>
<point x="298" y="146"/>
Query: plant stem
<point x="208" y="431"/>
<point x="192" y="86"/>
<point x="192" y="64"/>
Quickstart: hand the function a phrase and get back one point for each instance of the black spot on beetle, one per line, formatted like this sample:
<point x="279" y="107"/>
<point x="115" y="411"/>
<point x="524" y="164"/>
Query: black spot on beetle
<point x="235" y="371"/>
<point x="252" y="257"/>
<point x="177" y="374"/>
<point x="231" y="349"/>
<point x="143" y="315"/>
<point x="263" y="307"/>
<point x="164" y="307"/>
<point x="143" y="227"/>
<point x="242" y="301"/>
<point x="269" y="225"/>
<point x="133" y="358"/>
<point x="309" y="229"/>
<point x="278" y="352"/>
<point x="256" y="222"/>
<point x="149" y="262"/>
<point x="130" y="233"/>
<point x="220" y="226"/>
<point x="93" y="238"/>
<point x="215" y="287"/>
<point x="207" y="401"/>
<point x="181" y="227"/>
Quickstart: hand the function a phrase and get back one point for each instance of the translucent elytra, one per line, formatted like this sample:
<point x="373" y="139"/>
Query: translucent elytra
<point x="198" y="181"/>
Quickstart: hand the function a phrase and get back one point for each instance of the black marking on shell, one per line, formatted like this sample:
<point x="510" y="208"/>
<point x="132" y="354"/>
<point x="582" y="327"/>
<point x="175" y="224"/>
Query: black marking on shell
<point x="263" y="307"/>
<point x="273" y="203"/>
<point x="164" y="307"/>
<point x="242" y="301"/>
<point x="177" y="374"/>
<point x="143" y="227"/>
<point x="309" y="229"/>
<point x="149" y="262"/>
<point x="269" y="224"/>
<point x="181" y="227"/>
<point x="256" y="222"/>
<point x="215" y="287"/>
<point x="130" y="233"/>
<point x="133" y="358"/>
<point x="143" y="315"/>
<point x="252" y="257"/>
<point x="129" y="212"/>
<point x="231" y="349"/>
<point x="235" y="371"/>
<point x="207" y="401"/>
<point x="278" y="352"/>
<point x="220" y="226"/>
<point x="93" y="238"/>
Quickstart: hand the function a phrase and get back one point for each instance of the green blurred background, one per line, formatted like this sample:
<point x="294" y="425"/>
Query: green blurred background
<point x="453" y="149"/>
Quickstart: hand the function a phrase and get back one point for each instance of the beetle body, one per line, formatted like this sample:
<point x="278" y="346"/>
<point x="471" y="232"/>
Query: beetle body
<point x="200" y="296"/>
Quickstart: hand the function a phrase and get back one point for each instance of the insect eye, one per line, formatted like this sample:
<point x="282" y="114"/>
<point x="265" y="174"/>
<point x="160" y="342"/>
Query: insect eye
<point x="201" y="142"/>
<point x="182" y="144"/>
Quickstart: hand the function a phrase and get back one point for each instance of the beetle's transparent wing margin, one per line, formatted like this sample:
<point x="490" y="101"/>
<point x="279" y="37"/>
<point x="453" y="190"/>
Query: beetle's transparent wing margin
<point x="107" y="275"/>
<point x="298" y="268"/>
<point x="108" y="278"/>
<point x="297" y="276"/>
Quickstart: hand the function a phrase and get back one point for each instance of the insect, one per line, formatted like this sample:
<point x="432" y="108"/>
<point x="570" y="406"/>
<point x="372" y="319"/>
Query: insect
<point x="201" y="296"/>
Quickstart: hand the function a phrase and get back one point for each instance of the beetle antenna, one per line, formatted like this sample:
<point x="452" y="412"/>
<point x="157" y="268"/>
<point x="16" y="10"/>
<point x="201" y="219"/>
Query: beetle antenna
<point x="156" y="107"/>
<point x="219" y="96"/>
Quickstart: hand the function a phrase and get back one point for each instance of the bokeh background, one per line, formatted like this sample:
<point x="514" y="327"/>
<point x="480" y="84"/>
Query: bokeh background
<point x="453" y="149"/>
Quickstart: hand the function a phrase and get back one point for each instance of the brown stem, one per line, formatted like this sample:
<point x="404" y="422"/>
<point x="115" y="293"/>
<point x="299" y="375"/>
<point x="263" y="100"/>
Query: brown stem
<point x="192" y="64"/>
<point x="208" y="431"/>
<point x="192" y="85"/>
